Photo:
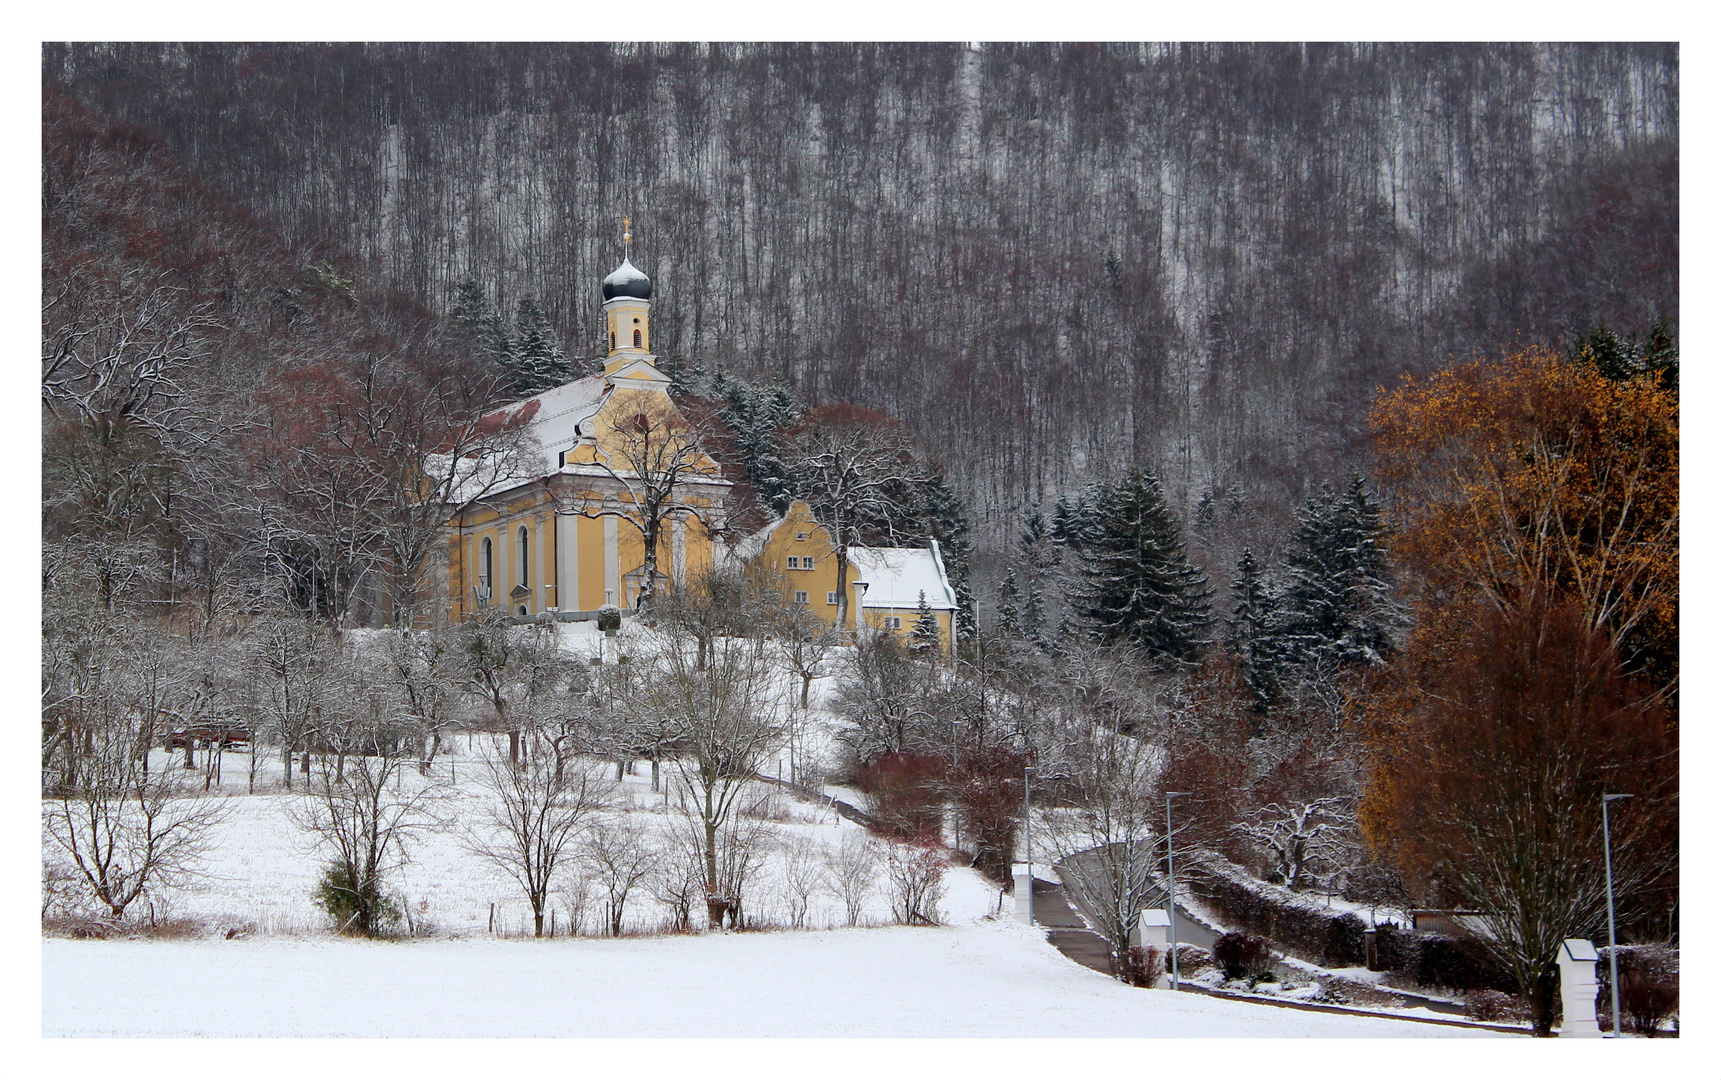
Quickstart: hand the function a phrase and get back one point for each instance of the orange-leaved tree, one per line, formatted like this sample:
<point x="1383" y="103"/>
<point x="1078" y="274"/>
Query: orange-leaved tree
<point x="1536" y="472"/>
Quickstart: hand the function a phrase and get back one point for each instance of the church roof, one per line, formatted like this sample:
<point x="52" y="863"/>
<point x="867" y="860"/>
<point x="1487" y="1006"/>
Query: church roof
<point x="560" y="411"/>
<point x="627" y="280"/>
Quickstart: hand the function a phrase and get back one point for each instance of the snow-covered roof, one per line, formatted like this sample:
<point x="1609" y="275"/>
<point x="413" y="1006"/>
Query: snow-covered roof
<point x="560" y="410"/>
<point x="896" y="577"/>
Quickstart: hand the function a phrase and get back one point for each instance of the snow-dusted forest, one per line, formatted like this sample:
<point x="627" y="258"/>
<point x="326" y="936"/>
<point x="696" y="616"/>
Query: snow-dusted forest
<point x="1045" y="259"/>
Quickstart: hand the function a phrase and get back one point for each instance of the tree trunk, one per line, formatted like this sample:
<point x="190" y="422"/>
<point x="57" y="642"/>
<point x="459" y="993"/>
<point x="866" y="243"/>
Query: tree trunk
<point x="514" y="748"/>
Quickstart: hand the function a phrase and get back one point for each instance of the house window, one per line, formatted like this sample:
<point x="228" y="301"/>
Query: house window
<point x="523" y="575"/>
<point x="800" y="596"/>
<point x="831" y="598"/>
<point x="636" y="339"/>
<point x="893" y="622"/>
<point x="800" y="562"/>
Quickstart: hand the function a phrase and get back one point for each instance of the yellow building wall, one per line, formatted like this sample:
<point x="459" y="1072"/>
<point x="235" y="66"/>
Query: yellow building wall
<point x="590" y="535"/>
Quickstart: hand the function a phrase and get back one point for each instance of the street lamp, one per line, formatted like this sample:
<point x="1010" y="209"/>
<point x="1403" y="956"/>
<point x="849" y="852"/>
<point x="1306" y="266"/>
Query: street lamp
<point x="1612" y="945"/>
<point x="1028" y="833"/>
<point x="1171" y="891"/>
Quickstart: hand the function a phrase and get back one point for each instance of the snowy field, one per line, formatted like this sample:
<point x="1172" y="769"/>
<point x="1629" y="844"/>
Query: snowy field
<point x="984" y="978"/>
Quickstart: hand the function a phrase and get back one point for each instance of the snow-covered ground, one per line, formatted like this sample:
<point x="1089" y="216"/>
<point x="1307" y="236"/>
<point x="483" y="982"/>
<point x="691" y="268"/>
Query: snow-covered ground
<point x="985" y="978"/>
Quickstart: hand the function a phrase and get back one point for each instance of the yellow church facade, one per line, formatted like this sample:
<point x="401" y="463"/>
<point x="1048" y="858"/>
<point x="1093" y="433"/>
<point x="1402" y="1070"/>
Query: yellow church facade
<point x="601" y="461"/>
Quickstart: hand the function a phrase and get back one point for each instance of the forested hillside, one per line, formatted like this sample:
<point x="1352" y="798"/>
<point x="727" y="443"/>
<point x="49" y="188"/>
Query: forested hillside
<point x="1052" y="261"/>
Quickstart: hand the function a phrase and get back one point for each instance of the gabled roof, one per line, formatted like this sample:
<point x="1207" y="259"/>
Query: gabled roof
<point x="896" y="577"/>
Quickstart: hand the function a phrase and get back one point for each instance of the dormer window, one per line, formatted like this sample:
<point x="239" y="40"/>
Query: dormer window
<point x="801" y="536"/>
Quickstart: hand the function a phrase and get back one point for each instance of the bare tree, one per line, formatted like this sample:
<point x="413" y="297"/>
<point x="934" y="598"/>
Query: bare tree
<point x="863" y="476"/>
<point x="678" y="882"/>
<point x="915" y="872"/>
<point x="1105" y="841"/>
<point x="621" y="859"/>
<point x="1303" y="838"/>
<point x="651" y="451"/>
<point x="360" y="809"/>
<point x="1500" y="760"/>
<point x="127" y="830"/>
<point x="804" y="643"/>
<point x="803" y="875"/>
<point x="851" y="872"/>
<point x="727" y="713"/>
<point x="539" y="806"/>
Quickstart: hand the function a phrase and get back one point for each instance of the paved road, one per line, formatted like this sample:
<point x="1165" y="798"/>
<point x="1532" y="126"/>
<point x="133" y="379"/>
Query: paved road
<point x="1190" y="930"/>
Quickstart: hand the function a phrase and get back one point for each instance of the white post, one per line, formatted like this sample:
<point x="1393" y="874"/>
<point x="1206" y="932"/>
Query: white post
<point x="1024" y="901"/>
<point x="1578" y="989"/>
<point x="1150" y="931"/>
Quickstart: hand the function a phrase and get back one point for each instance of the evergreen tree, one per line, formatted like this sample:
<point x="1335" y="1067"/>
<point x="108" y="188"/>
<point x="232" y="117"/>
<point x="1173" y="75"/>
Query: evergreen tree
<point x="1336" y="607"/>
<point x="537" y="361"/>
<point x="1253" y="627"/>
<point x="924" y="640"/>
<point x="760" y="417"/>
<point x="1033" y="612"/>
<point x="1619" y="359"/>
<point x="1135" y="582"/>
<point x="1009" y="623"/>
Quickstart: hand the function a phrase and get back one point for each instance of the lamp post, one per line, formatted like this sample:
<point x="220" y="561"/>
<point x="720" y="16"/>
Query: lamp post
<point x="1028" y="833"/>
<point x="1612" y="945"/>
<point x="1171" y="890"/>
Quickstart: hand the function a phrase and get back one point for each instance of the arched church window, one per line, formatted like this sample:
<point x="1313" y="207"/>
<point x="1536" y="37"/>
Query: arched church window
<point x="612" y="341"/>
<point x="636" y="340"/>
<point x="486" y="563"/>
<point x="523" y="576"/>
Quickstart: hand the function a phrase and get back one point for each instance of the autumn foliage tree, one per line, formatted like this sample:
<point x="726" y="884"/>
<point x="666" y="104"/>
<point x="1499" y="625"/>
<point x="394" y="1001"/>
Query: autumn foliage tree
<point x="1494" y="761"/>
<point x="1539" y="473"/>
<point x="1537" y="517"/>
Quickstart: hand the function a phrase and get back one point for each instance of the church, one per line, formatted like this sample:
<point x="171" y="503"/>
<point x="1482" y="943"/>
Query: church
<point x="614" y="491"/>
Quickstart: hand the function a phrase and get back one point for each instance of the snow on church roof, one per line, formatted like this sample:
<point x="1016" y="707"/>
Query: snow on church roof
<point x="896" y="577"/>
<point x="560" y="410"/>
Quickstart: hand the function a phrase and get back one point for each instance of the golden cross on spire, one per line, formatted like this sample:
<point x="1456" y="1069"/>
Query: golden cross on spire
<point x="626" y="229"/>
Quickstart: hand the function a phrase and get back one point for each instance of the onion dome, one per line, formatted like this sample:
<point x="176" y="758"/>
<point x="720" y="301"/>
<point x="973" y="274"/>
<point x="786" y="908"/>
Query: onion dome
<point x="627" y="280"/>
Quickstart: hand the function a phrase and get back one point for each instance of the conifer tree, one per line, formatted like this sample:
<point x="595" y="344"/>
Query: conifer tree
<point x="924" y="640"/>
<point x="537" y="361"/>
<point x="1135" y="582"/>
<point x="1009" y="623"/>
<point x="1336" y="607"/>
<point x="1253" y="626"/>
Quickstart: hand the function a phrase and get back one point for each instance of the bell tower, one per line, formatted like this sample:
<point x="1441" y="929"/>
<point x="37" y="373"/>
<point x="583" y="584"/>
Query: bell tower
<point x="627" y="309"/>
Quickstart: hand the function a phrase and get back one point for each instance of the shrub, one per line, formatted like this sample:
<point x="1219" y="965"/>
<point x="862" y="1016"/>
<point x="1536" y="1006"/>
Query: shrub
<point x="905" y="790"/>
<point x="987" y="788"/>
<point x="1457" y="964"/>
<point x="916" y="876"/>
<point x="1491" y="1006"/>
<point x="609" y="618"/>
<point x="1648" y="988"/>
<point x="348" y="903"/>
<point x="1295" y="921"/>
<point x="1143" y="965"/>
<point x="1241" y="956"/>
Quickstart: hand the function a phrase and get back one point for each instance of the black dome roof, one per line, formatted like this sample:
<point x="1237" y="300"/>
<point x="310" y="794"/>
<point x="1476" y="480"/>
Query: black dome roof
<point x="627" y="280"/>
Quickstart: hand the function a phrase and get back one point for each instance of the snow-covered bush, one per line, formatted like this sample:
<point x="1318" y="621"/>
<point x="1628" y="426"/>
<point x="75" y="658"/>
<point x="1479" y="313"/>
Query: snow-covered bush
<point x="1243" y="956"/>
